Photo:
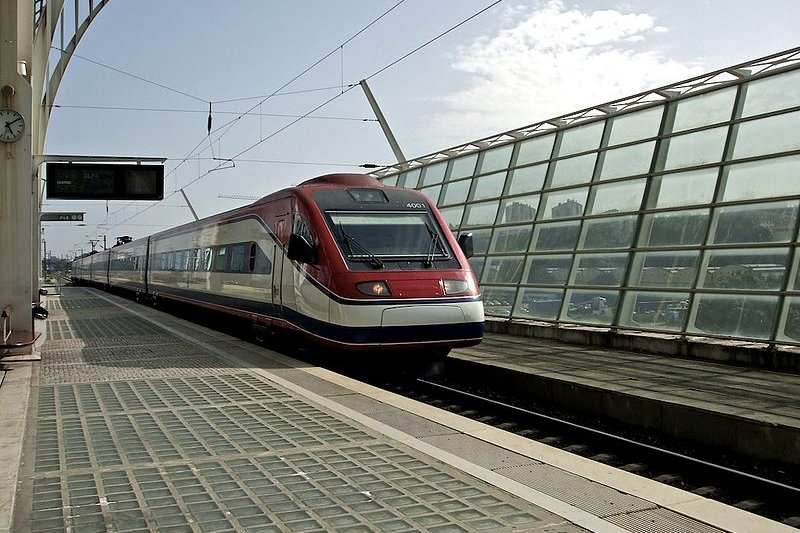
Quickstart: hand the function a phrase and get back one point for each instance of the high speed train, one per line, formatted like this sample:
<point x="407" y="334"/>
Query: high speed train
<point x="340" y="258"/>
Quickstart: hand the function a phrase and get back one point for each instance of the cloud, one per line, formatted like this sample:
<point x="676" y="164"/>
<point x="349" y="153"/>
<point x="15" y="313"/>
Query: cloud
<point x="552" y="61"/>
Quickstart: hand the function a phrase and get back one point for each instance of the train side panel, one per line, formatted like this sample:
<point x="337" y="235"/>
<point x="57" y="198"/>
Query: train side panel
<point x="127" y="264"/>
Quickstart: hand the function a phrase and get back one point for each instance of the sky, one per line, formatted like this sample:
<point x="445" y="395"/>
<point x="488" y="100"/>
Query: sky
<point x="281" y="79"/>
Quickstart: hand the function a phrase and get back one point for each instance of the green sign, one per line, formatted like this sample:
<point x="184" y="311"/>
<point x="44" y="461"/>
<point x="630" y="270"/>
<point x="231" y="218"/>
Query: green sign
<point x="61" y="217"/>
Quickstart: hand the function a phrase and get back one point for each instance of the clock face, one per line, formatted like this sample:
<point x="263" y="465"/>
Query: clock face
<point x="12" y="125"/>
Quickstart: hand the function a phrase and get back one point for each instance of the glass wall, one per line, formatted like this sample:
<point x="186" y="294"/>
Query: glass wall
<point x="676" y="216"/>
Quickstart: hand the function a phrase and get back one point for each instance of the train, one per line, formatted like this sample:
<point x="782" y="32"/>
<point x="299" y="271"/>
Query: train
<point x="340" y="259"/>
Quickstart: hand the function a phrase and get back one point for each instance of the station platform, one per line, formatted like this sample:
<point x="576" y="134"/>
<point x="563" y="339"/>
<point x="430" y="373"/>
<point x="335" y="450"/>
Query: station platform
<point x="135" y="420"/>
<point x="751" y="411"/>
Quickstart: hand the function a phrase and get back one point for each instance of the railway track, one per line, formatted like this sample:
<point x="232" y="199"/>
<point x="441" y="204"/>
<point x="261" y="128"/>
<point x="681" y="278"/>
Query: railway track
<point x="768" y="490"/>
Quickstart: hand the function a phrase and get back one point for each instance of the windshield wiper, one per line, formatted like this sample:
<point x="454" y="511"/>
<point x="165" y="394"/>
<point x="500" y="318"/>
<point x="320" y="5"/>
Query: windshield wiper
<point x="432" y="247"/>
<point x="351" y="241"/>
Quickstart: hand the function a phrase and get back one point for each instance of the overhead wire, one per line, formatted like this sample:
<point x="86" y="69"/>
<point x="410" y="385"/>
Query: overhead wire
<point x="328" y="101"/>
<point x="203" y="111"/>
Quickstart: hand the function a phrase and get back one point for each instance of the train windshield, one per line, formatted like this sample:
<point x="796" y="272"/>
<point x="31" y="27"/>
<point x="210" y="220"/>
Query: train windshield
<point x="369" y="237"/>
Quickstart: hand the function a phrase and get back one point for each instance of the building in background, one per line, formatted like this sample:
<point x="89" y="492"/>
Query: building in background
<point x="674" y="210"/>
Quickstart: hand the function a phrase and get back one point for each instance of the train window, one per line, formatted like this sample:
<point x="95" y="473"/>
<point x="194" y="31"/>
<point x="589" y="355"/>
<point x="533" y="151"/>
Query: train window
<point x="180" y="260"/>
<point x="171" y="261"/>
<point x="222" y="259"/>
<point x="208" y="257"/>
<point x="163" y="261"/>
<point x="301" y="227"/>
<point x="251" y="257"/>
<point x="237" y="257"/>
<point x="262" y="264"/>
<point x="408" y="235"/>
<point x="196" y="260"/>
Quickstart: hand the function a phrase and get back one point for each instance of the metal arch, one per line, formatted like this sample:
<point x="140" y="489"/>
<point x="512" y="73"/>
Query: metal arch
<point x="50" y="18"/>
<point x="787" y="60"/>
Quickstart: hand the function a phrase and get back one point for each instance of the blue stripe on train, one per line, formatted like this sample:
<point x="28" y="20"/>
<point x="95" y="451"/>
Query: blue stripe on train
<point x="344" y="334"/>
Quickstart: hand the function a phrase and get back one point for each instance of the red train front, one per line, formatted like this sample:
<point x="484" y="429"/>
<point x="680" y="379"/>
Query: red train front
<point x="384" y="263"/>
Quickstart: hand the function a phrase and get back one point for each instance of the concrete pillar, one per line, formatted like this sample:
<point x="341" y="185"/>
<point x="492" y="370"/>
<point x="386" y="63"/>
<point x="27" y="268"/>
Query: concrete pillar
<point x="18" y="194"/>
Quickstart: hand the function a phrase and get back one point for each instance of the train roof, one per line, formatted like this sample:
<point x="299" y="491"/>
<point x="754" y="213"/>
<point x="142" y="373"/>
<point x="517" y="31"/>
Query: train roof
<point x="343" y="180"/>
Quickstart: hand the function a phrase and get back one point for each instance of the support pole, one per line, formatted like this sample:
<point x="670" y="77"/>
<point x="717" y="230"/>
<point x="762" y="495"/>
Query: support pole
<point x="382" y="120"/>
<point x="190" y="205"/>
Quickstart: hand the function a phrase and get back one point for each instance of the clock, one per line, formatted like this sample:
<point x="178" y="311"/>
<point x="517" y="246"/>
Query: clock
<point x="12" y="125"/>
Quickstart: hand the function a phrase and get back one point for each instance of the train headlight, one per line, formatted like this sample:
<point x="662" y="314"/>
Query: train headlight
<point x="374" y="288"/>
<point x="455" y="286"/>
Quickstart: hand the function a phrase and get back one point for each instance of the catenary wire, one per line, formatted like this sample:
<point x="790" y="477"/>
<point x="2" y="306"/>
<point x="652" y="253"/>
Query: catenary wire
<point x="345" y="91"/>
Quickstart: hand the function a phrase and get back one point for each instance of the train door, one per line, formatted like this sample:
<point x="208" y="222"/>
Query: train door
<point x="278" y="256"/>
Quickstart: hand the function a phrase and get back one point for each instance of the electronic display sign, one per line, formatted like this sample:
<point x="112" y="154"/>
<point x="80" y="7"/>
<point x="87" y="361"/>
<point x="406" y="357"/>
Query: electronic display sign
<point x="96" y="181"/>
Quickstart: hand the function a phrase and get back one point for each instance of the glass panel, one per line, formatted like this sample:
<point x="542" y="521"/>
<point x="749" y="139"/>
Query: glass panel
<point x="502" y="270"/>
<point x="614" y="232"/>
<point x="573" y="171"/>
<point x="771" y="94"/>
<point x="627" y="161"/>
<point x="432" y="193"/>
<point x="522" y="209"/>
<point x="476" y="263"/>
<point x="535" y="149"/>
<point x="527" y="179"/>
<point x="480" y="240"/>
<point x="463" y="166"/>
<point x="482" y="214"/>
<point x="409" y="179"/>
<point x="762" y="179"/>
<point x="497" y="301"/>
<point x="581" y="138"/>
<point x="390" y="181"/>
<point x="553" y="237"/>
<point x="683" y="228"/>
<point x="514" y="239"/>
<point x="697" y="148"/>
<point x="539" y="303"/>
<point x="564" y="204"/>
<point x="489" y="186"/>
<point x="496" y="158"/>
<point x="452" y="216"/>
<point x="456" y="192"/>
<point x="767" y="136"/>
<point x="433" y="173"/>
<point x="683" y="188"/>
<point x="704" y="110"/>
<point x="655" y="310"/>
<point x="635" y="126"/>
<point x="548" y="269"/>
<point x="773" y="222"/>
<point x="665" y="269"/>
<point x="617" y="197"/>
<point x="600" y="269"/>
<point x="734" y="315"/>
<point x="593" y="307"/>
<point x="791" y="329"/>
<point x="745" y="269"/>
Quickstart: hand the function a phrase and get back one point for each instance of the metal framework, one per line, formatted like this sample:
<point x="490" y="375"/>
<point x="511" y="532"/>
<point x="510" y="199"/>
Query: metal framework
<point x="673" y="211"/>
<point x="704" y="82"/>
